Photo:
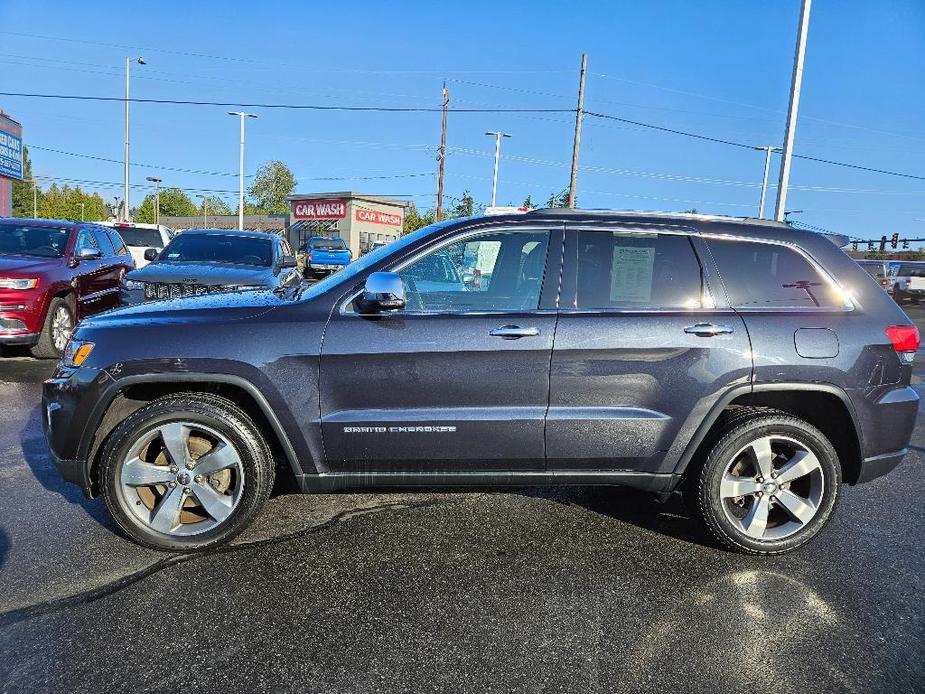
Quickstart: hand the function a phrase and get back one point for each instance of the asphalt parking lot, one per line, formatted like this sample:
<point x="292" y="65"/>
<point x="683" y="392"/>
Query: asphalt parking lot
<point x="522" y="590"/>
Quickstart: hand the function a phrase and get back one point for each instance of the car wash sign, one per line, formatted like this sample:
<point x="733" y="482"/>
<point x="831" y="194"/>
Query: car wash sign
<point x="378" y="217"/>
<point x="319" y="209"/>
<point x="10" y="148"/>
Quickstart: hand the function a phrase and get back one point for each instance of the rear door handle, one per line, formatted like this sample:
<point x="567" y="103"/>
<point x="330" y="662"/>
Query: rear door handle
<point x="708" y="329"/>
<point x="513" y="332"/>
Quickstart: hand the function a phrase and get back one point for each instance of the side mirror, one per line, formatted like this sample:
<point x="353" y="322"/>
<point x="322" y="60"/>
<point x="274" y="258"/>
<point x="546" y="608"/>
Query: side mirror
<point x="384" y="291"/>
<point x="88" y="254"/>
<point x="288" y="261"/>
<point x="151" y="254"/>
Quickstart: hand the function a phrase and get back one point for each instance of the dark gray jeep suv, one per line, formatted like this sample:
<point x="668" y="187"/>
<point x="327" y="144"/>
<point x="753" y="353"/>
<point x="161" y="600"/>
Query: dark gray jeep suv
<point x="751" y="366"/>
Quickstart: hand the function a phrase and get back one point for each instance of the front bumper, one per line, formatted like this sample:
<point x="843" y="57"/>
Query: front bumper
<point x="18" y="338"/>
<point x="69" y="404"/>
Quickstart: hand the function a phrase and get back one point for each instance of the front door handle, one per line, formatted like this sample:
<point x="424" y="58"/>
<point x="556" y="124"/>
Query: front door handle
<point x="513" y="332"/>
<point x="708" y="329"/>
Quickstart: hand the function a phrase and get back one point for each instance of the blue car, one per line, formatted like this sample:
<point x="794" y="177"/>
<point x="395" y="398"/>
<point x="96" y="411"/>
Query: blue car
<point x="325" y="255"/>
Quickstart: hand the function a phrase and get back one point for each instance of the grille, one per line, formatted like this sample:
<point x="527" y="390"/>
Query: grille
<point x="164" y="290"/>
<point x="11" y="324"/>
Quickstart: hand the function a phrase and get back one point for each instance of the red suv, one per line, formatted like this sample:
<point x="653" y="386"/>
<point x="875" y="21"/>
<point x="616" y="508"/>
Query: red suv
<point x="53" y="273"/>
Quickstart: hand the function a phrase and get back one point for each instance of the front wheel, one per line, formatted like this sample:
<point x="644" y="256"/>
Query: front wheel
<point x="185" y="473"/>
<point x="769" y="485"/>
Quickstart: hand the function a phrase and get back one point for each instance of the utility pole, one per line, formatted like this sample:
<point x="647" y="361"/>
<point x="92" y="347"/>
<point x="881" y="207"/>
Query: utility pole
<point x="35" y="199"/>
<point x="790" y="132"/>
<point x="576" y="144"/>
<point x="497" y="134"/>
<point x="242" y="115"/>
<point x="81" y="205"/>
<point x="764" y="180"/>
<point x="205" y="211"/>
<point x="157" y="198"/>
<point x="128" y="66"/>
<point x="441" y="156"/>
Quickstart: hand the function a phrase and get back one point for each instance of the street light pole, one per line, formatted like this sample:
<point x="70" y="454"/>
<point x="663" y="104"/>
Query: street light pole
<point x="764" y="180"/>
<point x="791" y="131"/>
<point x="497" y="134"/>
<point x="242" y="115"/>
<point x="205" y="210"/>
<point x="157" y="198"/>
<point x="125" y="197"/>
<point x="81" y="206"/>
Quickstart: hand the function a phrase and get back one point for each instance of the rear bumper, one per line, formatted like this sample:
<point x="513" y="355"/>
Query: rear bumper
<point x="879" y="465"/>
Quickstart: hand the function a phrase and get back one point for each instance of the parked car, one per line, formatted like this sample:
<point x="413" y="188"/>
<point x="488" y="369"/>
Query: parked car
<point x="326" y="255"/>
<point x="203" y="261"/>
<point x="908" y="281"/>
<point x="140" y="237"/>
<point x="53" y="273"/>
<point x="880" y="271"/>
<point x="750" y="366"/>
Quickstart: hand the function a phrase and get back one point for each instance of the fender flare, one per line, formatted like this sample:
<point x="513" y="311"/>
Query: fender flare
<point x="115" y="386"/>
<point x="736" y="392"/>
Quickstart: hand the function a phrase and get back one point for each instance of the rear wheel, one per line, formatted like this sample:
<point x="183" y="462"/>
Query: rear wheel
<point x="185" y="473"/>
<point x="769" y="485"/>
<point x="59" y="324"/>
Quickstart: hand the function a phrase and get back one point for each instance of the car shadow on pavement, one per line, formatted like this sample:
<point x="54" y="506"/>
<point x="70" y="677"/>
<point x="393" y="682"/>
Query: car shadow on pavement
<point x="38" y="458"/>
<point x="641" y="509"/>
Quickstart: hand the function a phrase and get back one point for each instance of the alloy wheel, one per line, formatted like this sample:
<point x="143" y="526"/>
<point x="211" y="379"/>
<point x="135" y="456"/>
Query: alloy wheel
<point x="772" y="488"/>
<point x="62" y="325"/>
<point x="181" y="479"/>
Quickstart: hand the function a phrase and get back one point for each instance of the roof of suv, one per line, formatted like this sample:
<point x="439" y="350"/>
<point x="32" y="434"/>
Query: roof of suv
<point x="231" y="232"/>
<point x="57" y="223"/>
<point x="719" y="224"/>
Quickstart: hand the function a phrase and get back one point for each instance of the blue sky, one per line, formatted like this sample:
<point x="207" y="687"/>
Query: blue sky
<point x="721" y="68"/>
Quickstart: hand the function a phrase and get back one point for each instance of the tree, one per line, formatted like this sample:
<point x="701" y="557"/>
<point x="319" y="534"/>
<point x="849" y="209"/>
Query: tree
<point x="528" y="202"/>
<point x="464" y="207"/>
<point x="22" y="190"/>
<point x="273" y="182"/>
<point x="174" y="203"/>
<point x="212" y="204"/>
<point x="558" y="199"/>
<point x="414" y="220"/>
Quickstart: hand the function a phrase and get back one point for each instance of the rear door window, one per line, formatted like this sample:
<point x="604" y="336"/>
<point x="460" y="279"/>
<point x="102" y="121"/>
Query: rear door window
<point x="645" y="271"/>
<point x="766" y="275"/>
<point x="117" y="243"/>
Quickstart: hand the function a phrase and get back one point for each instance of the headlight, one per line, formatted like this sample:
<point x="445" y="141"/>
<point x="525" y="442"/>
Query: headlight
<point x="132" y="285"/>
<point x="76" y="353"/>
<point x="13" y="283"/>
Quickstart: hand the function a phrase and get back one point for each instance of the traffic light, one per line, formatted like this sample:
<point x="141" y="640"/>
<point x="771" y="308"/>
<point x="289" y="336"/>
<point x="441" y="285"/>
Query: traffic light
<point x="854" y="245"/>
<point x="883" y="243"/>
<point x="905" y="245"/>
<point x="870" y="245"/>
<point x="894" y="241"/>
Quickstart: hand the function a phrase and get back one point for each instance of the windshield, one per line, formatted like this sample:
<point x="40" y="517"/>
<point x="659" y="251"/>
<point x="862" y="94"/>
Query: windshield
<point x="43" y="242"/>
<point x="329" y="244"/>
<point x="218" y="248"/>
<point x="374" y="256"/>
<point x="874" y="269"/>
<point x="135" y="236"/>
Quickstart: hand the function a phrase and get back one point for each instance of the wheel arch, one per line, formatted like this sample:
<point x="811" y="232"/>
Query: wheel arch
<point x="824" y="406"/>
<point x="133" y="392"/>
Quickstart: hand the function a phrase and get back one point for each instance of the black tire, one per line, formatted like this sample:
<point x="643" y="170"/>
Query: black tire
<point x="737" y="433"/>
<point x="898" y="296"/>
<point x="45" y="347"/>
<point x="216" y="413"/>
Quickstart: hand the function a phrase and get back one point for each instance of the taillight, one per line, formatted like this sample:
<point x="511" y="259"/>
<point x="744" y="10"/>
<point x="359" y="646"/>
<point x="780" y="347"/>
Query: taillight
<point x="905" y="339"/>
<point x="308" y="255"/>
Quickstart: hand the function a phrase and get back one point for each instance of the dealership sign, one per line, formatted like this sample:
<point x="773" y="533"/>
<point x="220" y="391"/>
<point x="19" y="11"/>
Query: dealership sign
<point x="319" y="209"/>
<point x="10" y="148"/>
<point x="377" y="217"/>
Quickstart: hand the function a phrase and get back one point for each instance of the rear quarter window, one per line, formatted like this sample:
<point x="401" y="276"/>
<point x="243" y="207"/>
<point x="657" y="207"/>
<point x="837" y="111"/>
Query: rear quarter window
<point x="767" y="275"/>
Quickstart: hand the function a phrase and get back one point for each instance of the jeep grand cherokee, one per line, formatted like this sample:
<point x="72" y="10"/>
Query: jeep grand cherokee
<point x="751" y="366"/>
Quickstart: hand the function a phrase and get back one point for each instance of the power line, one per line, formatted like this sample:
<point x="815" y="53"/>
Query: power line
<point x="297" y="107"/>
